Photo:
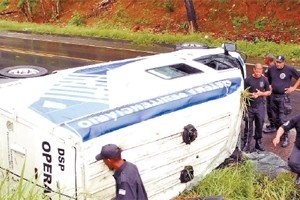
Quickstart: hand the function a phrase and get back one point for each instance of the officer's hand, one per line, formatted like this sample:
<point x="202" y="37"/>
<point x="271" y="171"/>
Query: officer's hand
<point x="254" y="95"/>
<point x="289" y="90"/>
<point x="258" y="92"/>
<point x="276" y="141"/>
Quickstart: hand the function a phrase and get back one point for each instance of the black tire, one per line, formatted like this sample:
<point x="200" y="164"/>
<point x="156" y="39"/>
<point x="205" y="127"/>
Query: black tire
<point x="191" y="46"/>
<point x="23" y="71"/>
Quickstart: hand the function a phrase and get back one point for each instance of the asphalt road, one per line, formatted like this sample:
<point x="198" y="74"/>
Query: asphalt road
<point x="58" y="52"/>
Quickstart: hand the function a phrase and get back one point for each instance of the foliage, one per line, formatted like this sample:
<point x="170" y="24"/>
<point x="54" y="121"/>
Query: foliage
<point x="260" y="23"/>
<point x="3" y="4"/>
<point x="169" y="6"/>
<point x="11" y="189"/>
<point x="27" y="7"/>
<point x="76" y="19"/>
<point x="238" y="21"/>
<point x="241" y="181"/>
<point x="121" y="15"/>
<point x="245" y="99"/>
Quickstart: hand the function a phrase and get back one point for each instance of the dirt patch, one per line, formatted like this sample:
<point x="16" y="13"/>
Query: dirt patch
<point x="271" y="20"/>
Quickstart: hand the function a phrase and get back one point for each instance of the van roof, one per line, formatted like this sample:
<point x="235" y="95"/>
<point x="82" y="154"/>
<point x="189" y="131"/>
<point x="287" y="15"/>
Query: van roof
<point x="96" y="99"/>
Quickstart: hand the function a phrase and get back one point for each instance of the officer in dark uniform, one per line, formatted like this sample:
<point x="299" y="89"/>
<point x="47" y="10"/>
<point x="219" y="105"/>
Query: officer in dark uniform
<point x="294" y="159"/>
<point x="269" y="61"/>
<point x="280" y="78"/>
<point x="258" y="87"/>
<point x="129" y="185"/>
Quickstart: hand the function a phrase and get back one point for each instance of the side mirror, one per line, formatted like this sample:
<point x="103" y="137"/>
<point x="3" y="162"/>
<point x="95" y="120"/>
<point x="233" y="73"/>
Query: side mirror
<point x="229" y="47"/>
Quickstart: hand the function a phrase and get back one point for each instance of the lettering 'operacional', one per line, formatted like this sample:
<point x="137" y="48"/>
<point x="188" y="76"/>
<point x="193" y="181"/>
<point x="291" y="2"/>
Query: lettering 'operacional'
<point x="47" y="167"/>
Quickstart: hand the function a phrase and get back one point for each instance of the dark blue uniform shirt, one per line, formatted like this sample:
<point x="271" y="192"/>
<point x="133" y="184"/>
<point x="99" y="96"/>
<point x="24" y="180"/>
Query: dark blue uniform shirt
<point x="294" y="123"/>
<point x="281" y="78"/>
<point x="261" y="84"/>
<point x="129" y="185"/>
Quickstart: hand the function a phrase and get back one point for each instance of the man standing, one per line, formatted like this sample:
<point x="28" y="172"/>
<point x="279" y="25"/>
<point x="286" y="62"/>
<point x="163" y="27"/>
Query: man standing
<point x="269" y="61"/>
<point x="294" y="159"/>
<point x="129" y="185"/>
<point x="280" y="78"/>
<point x="258" y="87"/>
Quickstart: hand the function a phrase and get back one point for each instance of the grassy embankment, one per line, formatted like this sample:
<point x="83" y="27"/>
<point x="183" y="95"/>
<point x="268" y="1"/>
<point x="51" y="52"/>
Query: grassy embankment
<point x="255" y="49"/>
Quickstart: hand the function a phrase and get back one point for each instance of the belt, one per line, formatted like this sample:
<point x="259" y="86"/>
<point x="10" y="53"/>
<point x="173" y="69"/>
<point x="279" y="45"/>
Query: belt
<point x="277" y="94"/>
<point x="255" y="104"/>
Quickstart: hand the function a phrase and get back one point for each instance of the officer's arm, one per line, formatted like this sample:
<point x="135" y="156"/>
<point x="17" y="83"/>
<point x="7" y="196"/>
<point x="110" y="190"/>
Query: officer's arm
<point x="279" y="133"/>
<point x="296" y="84"/>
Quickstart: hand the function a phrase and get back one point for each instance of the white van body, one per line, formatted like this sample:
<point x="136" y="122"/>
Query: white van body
<point x="53" y="126"/>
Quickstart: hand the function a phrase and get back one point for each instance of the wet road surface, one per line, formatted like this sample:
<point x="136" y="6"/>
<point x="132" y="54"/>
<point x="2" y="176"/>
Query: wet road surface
<point x="61" y="52"/>
<point x="267" y="138"/>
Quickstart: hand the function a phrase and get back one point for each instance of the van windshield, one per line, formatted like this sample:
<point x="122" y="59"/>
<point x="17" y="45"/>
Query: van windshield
<point x="174" y="71"/>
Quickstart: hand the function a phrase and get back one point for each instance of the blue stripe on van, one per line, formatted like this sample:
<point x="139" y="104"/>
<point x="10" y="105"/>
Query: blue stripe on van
<point x="107" y="121"/>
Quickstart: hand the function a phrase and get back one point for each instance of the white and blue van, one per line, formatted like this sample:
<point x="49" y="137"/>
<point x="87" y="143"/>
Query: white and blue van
<point x="176" y="115"/>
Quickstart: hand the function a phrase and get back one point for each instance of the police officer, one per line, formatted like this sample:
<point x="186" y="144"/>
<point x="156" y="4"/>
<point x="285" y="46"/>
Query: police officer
<point x="129" y="185"/>
<point x="280" y="78"/>
<point x="294" y="159"/>
<point x="269" y="61"/>
<point x="258" y="87"/>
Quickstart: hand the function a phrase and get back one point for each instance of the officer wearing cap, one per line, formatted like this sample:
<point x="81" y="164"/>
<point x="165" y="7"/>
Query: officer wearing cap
<point x="280" y="78"/>
<point x="269" y="61"/>
<point x="129" y="185"/>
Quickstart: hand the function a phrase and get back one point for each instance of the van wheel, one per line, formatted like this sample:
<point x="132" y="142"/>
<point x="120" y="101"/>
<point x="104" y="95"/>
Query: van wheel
<point x="23" y="71"/>
<point x="190" y="45"/>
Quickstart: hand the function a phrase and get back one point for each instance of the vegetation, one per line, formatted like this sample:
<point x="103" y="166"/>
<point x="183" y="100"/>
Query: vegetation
<point x="21" y="188"/>
<point x="237" y="181"/>
<point x="258" y="48"/>
<point x="239" y="21"/>
<point x="77" y="19"/>
<point x="27" y="7"/>
<point x="241" y="181"/>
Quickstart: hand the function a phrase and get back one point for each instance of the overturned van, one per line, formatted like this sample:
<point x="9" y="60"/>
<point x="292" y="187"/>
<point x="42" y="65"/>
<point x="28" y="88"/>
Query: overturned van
<point x="175" y="115"/>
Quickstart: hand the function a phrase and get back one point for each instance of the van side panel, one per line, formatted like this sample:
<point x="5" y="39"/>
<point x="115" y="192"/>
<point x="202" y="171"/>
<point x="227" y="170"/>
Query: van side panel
<point x="157" y="148"/>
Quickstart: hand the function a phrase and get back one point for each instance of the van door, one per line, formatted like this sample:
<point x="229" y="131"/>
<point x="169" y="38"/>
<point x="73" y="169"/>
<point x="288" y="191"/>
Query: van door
<point x="41" y="158"/>
<point x="4" y="158"/>
<point x="17" y="150"/>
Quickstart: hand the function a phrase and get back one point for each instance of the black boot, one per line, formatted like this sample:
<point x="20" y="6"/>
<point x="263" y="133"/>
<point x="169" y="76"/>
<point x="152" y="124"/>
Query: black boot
<point x="258" y="145"/>
<point x="297" y="181"/>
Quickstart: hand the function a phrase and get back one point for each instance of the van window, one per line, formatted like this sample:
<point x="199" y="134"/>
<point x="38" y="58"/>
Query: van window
<point x="174" y="71"/>
<point x="219" y="62"/>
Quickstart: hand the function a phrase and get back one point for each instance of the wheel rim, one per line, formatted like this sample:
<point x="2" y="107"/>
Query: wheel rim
<point x="23" y="71"/>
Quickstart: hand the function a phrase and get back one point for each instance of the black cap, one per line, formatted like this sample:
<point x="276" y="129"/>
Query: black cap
<point x="109" y="151"/>
<point x="280" y="58"/>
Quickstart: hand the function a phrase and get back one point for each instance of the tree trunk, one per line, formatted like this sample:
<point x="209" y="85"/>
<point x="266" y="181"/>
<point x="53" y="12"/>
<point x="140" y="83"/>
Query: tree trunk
<point x="191" y="15"/>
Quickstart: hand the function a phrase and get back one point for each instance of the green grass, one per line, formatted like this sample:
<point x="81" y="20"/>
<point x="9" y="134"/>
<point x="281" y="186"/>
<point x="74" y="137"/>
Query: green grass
<point x="12" y="189"/>
<point x="107" y="30"/>
<point x="241" y="181"/>
<point x="238" y="181"/>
